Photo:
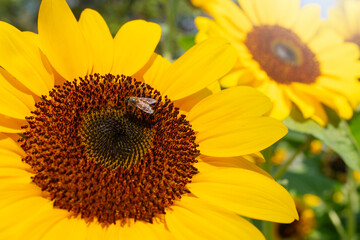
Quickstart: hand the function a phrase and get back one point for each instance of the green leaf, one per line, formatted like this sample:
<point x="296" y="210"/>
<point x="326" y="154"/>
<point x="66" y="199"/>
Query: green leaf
<point x="355" y="127"/>
<point x="336" y="135"/>
<point x="186" y="42"/>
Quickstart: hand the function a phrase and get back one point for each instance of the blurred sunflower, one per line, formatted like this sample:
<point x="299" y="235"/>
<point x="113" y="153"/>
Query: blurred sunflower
<point x="300" y="229"/>
<point x="106" y="156"/>
<point x="283" y="52"/>
<point x="345" y="19"/>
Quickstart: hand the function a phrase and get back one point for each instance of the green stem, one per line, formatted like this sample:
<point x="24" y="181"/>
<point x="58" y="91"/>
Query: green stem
<point x="335" y="219"/>
<point x="267" y="228"/>
<point x="267" y="153"/>
<point x="285" y="166"/>
<point x="169" y="43"/>
<point x="352" y="207"/>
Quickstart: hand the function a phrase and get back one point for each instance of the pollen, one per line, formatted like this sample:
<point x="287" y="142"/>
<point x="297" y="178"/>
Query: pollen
<point x="100" y="158"/>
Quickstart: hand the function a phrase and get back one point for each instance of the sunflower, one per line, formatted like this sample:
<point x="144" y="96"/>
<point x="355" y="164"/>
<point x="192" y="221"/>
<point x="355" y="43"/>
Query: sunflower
<point x="119" y="143"/>
<point x="283" y="52"/>
<point x="344" y="20"/>
<point x="300" y="229"/>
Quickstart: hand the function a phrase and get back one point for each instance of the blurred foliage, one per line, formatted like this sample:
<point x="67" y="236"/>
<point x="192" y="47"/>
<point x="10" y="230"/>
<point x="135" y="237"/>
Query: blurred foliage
<point x="175" y="17"/>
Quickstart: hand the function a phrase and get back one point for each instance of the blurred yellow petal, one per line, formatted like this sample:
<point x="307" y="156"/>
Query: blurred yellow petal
<point x="352" y="15"/>
<point x="265" y="11"/>
<point x="281" y="103"/>
<point x="208" y="28"/>
<point x="289" y="12"/>
<point x="319" y="115"/>
<point x="338" y="22"/>
<point x="309" y="24"/>
<point x="351" y="90"/>
<point x="227" y="15"/>
<point x="304" y="103"/>
<point x="329" y="98"/>
<point x="250" y="10"/>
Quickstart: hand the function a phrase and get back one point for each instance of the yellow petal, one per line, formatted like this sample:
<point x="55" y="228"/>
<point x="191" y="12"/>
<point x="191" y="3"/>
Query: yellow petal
<point x="237" y="102"/>
<point x="43" y="221"/>
<point x="154" y="231"/>
<point x="250" y="10"/>
<point x="62" y="41"/>
<point x="281" y="103"/>
<point x="14" y="103"/>
<point x="288" y="12"/>
<point x="135" y="43"/>
<point x="22" y="59"/>
<point x="46" y="64"/>
<point x="304" y="102"/>
<point x="320" y="115"/>
<point x="335" y="101"/>
<point x="11" y="125"/>
<point x="227" y="14"/>
<point x="11" y="159"/>
<point x="265" y="11"/>
<point x="352" y="15"/>
<point x="158" y="66"/>
<point x="232" y="162"/>
<point x="95" y="231"/>
<point x="246" y="193"/>
<point x="200" y="66"/>
<point x="308" y="22"/>
<point x="187" y="103"/>
<point x="338" y="22"/>
<point x="239" y="136"/>
<point x="73" y="228"/>
<point x="340" y="51"/>
<point x="209" y="28"/>
<point x="256" y="157"/>
<point x="99" y="40"/>
<point x="192" y="218"/>
<point x="7" y="143"/>
<point x="14" y="216"/>
<point x="16" y="88"/>
<point x="325" y="40"/>
<point x="348" y="89"/>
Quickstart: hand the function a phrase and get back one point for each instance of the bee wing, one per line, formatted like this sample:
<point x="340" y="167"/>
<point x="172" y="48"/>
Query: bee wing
<point x="148" y="100"/>
<point x="143" y="106"/>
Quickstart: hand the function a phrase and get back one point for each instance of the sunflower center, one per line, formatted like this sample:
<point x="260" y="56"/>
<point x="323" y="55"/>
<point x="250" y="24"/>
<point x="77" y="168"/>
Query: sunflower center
<point x="282" y="55"/>
<point x="101" y="158"/>
<point x="114" y="138"/>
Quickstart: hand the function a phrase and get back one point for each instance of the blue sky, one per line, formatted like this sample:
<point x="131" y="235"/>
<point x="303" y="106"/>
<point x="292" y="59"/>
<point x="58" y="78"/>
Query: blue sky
<point x="325" y="5"/>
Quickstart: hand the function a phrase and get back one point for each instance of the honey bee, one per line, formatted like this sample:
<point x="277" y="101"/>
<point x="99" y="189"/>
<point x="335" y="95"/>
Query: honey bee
<point x="142" y="103"/>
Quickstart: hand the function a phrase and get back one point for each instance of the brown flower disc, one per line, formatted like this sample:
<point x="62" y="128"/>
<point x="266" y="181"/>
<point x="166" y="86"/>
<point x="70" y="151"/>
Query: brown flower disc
<point x="103" y="159"/>
<point x="282" y="55"/>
